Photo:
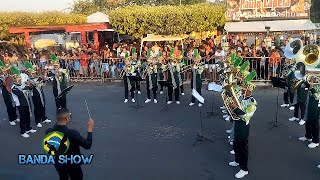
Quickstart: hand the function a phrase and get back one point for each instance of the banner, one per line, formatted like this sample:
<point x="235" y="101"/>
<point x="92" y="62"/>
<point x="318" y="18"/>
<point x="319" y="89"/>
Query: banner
<point x="264" y="9"/>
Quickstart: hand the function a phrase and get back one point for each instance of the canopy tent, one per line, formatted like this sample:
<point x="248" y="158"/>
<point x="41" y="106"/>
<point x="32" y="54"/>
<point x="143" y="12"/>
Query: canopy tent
<point x="275" y="26"/>
<point x="291" y="25"/>
<point x="253" y="26"/>
<point x="157" y="38"/>
<point x="98" y="17"/>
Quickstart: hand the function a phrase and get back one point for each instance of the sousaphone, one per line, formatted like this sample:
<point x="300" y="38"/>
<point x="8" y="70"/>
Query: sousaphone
<point x="293" y="48"/>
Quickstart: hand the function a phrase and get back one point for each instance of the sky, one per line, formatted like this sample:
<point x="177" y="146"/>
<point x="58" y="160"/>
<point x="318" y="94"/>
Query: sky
<point x="34" y="5"/>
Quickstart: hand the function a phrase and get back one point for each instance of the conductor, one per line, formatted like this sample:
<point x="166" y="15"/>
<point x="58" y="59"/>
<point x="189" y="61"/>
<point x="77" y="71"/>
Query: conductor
<point x="72" y="171"/>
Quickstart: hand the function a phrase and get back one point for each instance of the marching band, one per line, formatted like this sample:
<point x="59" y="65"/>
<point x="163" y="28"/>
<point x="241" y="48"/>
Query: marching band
<point x="22" y="91"/>
<point x="302" y="89"/>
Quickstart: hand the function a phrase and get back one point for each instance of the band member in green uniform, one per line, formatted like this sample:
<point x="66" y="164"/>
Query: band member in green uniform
<point x="137" y="64"/>
<point x="59" y="82"/>
<point x="162" y="69"/>
<point x="21" y="100"/>
<point x="152" y="83"/>
<point x="241" y="132"/>
<point x="288" y="94"/>
<point x="196" y="81"/>
<point x="6" y="94"/>
<point x="301" y="101"/>
<point x="173" y="77"/>
<point x="128" y="84"/>
<point x="312" y="122"/>
<point x="180" y="65"/>
<point x="38" y="98"/>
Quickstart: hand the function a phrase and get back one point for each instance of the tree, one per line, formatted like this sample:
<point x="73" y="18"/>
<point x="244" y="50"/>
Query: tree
<point x="315" y="11"/>
<point x="167" y="20"/>
<point x="164" y="2"/>
<point x="91" y="6"/>
<point x="88" y="7"/>
<point x="14" y="19"/>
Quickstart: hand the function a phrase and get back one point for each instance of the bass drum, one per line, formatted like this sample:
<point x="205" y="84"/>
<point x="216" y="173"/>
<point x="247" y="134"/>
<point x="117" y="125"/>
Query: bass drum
<point x="9" y="83"/>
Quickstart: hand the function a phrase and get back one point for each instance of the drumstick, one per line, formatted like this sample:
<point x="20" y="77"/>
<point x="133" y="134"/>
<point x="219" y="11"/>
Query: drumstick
<point x="88" y="111"/>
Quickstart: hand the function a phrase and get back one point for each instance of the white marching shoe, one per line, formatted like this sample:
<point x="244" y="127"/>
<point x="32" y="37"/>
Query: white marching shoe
<point x="284" y="105"/>
<point x="222" y="107"/>
<point x="47" y="121"/>
<point x="231" y="143"/>
<point x="17" y="120"/>
<point x="155" y="101"/>
<point x="304" y="139"/>
<point x="228" y="131"/>
<point x="25" y="135"/>
<point x="12" y="123"/>
<point x="147" y="101"/>
<point x="199" y="105"/>
<point x="126" y="100"/>
<point x="161" y="92"/>
<point x="139" y="92"/>
<point x="224" y="111"/>
<point x="31" y="131"/>
<point x="313" y="145"/>
<point x="191" y="104"/>
<point x="39" y="125"/>
<point x="183" y="94"/>
<point x="132" y="100"/>
<point x="233" y="164"/>
<point x="225" y="116"/>
<point x="291" y="108"/>
<point x="227" y="119"/>
<point x="318" y="166"/>
<point x="293" y="119"/>
<point x="232" y="152"/>
<point x="302" y="122"/>
<point x="177" y="102"/>
<point x="169" y="102"/>
<point x="241" y="174"/>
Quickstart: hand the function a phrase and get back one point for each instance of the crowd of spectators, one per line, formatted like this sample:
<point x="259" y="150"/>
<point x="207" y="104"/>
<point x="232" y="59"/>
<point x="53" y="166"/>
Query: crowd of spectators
<point x="86" y="63"/>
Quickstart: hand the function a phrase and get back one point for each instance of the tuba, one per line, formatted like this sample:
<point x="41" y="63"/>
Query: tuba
<point x="307" y="60"/>
<point x="229" y="97"/>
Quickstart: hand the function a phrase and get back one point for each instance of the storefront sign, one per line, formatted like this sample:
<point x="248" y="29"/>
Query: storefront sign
<point x="264" y="9"/>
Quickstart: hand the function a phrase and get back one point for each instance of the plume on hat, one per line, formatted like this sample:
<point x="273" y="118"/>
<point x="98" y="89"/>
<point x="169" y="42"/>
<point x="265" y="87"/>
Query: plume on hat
<point x="16" y="72"/>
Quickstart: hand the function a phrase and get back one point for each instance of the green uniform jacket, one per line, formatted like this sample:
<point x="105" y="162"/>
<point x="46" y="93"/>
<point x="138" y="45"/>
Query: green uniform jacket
<point x="313" y="110"/>
<point x="302" y="93"/>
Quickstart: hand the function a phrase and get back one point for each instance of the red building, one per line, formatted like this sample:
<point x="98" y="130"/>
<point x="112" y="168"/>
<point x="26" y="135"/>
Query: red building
<point x="95" y="22"/>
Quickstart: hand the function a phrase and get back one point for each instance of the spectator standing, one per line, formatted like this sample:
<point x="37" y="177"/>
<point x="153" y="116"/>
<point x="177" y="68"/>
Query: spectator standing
<point x="95" y="65"/>
<point x="83" y="64"/>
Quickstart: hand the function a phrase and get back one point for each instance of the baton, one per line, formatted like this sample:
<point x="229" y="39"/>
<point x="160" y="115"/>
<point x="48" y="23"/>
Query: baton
<point x="88" y="111"/>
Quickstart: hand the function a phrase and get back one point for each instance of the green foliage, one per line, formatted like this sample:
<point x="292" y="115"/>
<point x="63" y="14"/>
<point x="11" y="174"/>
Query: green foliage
<point x="16" y="19"/>
<point x="167" y="20"/>
<point x="164" y="2"/>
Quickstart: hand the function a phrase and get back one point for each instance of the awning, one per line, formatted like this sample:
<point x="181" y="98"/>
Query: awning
<point x="275" y="26"/>
<point x="165" y="38"/>
<point x="253" y="26"/>
<point x="291" y="25"/>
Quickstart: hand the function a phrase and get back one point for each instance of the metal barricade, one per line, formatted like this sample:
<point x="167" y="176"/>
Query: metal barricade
<point x="110" y="68"/>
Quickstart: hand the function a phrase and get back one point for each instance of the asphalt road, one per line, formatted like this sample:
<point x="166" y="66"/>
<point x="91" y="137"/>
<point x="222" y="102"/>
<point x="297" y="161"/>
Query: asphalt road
<point x="149" y="144"/>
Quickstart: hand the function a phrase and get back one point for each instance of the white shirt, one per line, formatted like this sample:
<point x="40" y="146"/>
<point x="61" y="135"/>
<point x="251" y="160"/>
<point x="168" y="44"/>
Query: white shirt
<point x="220" y="54"/>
